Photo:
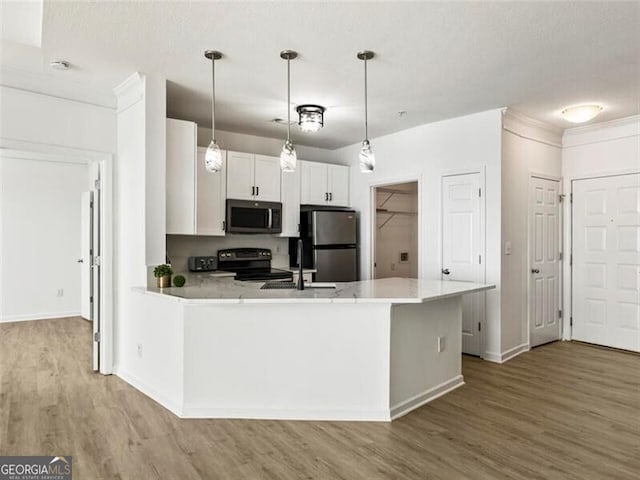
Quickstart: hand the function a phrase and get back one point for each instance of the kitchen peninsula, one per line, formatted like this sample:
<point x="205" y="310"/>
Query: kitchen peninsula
<point x="368" y="350"/>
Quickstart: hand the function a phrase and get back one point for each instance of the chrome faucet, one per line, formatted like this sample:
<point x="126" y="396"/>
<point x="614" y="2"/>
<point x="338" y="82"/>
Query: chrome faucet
<point x="300" y="285"/>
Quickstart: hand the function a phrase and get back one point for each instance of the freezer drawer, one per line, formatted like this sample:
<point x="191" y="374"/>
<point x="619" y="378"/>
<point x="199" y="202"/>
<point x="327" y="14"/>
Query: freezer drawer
<point x="336" y="265"/>
<point x="334" y="227"/>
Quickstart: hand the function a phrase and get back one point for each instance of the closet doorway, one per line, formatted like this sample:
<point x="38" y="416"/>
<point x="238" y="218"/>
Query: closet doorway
<point x="396" y="231"/>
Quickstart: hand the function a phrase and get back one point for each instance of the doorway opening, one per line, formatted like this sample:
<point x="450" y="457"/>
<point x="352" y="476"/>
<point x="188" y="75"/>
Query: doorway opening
<point x="396" y="242"/>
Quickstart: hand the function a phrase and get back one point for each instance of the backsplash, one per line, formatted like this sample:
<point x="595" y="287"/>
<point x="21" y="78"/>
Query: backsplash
<point x="181" y="247"/>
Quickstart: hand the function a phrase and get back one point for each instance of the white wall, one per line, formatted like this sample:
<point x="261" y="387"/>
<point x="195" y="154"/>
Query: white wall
<point x="40" y="238"/>
<point x="427" y="152"/>
<point x="602" y="149"/>
<point x="239" y="142"/>
<point x="36" y="118"/>
<point x="528" y="147"/>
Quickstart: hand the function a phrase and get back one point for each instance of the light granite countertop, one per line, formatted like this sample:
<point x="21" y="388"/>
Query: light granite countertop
<point x="210" y="289"/>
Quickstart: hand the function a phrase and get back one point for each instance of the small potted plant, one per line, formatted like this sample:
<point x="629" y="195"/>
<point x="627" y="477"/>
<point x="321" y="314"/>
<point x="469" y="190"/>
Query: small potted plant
<point x="163" y="275"/>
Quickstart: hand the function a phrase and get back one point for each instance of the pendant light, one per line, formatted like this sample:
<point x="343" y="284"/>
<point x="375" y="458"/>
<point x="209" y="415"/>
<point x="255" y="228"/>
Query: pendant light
<point x="288" y="156"/>
<point x="367" y="158"/>
<point x="213" y="156"/>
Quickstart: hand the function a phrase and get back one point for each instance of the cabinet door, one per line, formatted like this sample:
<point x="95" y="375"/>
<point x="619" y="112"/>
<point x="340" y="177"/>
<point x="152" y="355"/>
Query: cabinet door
<point x="313" y="183"/>
<point x="181" y="162"/>
<point x="267" y="178"/>
<point x="290" y="198"/>
<point x="338" y="180"/>
<point x="240" y="184"/>
<point x="211" y="188"/>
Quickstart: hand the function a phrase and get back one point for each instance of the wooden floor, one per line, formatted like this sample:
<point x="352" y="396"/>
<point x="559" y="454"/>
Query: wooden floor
<point x="564" y="410"/>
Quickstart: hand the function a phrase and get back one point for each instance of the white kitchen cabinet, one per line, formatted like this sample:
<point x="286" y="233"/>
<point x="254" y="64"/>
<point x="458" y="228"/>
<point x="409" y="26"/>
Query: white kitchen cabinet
<point x="290" y="198"/>
<point x="211" y="194"/>
<point x="180" y="181"/>
<point x="253" y="177"/>
<point x="324" y="184"/>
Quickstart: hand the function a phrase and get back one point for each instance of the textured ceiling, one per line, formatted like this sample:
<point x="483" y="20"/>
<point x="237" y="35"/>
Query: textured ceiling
<point x="434" y="60"/>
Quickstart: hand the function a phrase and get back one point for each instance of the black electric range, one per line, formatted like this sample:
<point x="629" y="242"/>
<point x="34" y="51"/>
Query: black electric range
<point x="251" y="264"/>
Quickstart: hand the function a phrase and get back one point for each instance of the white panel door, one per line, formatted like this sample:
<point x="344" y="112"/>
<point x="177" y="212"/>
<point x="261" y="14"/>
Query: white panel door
<point x="338" y="185"/>
<point x="606" y="261"/>
<point x="461" y="249"/>
<point x="86" y="232"/>
<point x="240" y="184"/>
<point x="211" y="194"/>
<point x="267" y="178"/>
<point x="313" y="183"/>
<point x="544" y="261"/>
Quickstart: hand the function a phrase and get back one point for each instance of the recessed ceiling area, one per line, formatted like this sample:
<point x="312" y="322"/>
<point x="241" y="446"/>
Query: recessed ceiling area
<point x="434" y="60"/>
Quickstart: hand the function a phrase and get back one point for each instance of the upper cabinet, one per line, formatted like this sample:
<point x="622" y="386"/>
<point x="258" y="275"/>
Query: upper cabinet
<point x="324" y="184"/>
<point x="181" y="175"/>
<point x="195" y="197"/>
<point x="253" y="177"/>
<point x="211" y="195"/>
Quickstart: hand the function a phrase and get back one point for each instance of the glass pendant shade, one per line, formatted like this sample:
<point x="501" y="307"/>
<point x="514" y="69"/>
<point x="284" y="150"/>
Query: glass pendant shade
<point x="367" y="158"/>
<point x="288" y="157"/>
<point x="213" y="158"/>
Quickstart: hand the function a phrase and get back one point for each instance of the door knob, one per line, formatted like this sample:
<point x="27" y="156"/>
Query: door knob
<point x="80" y="260"/>
<point x="445" y="271"/>
<point x="535" y="270"/>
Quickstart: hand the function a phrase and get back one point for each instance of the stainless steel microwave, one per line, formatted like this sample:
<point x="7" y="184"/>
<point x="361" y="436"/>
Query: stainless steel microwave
<point x="249" y="216"/>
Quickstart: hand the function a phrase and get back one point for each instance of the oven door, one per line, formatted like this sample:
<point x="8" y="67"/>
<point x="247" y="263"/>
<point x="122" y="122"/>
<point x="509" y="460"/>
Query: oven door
<point x="248" y="216"/>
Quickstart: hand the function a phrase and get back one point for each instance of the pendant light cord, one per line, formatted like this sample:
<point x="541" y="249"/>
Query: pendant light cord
<point x="288" y="100"/>
<point x="366" y="110"/>
<point x="213" y="99"/>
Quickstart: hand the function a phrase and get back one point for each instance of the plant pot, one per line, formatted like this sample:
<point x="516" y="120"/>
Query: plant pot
<point x="164" y="281"/>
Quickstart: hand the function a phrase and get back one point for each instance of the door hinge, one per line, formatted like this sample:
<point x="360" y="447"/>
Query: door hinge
<point x="224" y="225"/>
<point x="91" y="299"/>
<point x="571" y="197"/>
<point x="96" y="261"/>
<point x="570" y="259"/>
<point x="479" y="327"/>
<point x="559" y="313"/>
<point x="96" y="184"/>
<point x="561" y="197"/>
<point x="479" y="192"/>
<point x="571" y="321"/>
<point x="480" y="259"/>
<point x="560" y="256"/>
<point x="96" y="336"/>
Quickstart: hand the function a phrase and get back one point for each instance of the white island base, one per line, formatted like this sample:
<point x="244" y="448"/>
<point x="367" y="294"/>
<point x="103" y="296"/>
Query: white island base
<point x="306" y="358"/>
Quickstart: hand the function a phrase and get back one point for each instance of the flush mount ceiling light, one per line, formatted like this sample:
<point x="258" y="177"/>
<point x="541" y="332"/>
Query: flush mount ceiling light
<point x="310" y="117"/>
<point x="59" y="64"/>
<point x="581" y="113"/>
<point x="213" y="156"/>
<point x="288" y="157"/>
<point x="367" y="158"/>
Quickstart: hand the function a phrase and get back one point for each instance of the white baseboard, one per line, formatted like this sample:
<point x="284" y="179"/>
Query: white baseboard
<point x="508" y="355"/>
<point x="149" y="391"/>
<point x="427" y="396"/>
<point x="193" y="411"/>
<point x="37" y="316"/>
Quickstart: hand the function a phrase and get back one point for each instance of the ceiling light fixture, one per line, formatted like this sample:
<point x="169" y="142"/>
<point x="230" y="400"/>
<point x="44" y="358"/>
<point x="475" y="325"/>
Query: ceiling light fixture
<point x="288" y="157"/>
<point x="310" y="117"/>
<point x="581" y="113"/>
<point x="367" y="158"/>
<point x="213" y="156"/>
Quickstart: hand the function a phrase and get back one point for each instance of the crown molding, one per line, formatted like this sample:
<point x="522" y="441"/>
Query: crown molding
<point x="601" y="132"/>
<point x="130" y="91"/>
<point x="530" y="128"/>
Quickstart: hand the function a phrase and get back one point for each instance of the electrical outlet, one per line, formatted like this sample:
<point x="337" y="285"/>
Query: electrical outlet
<point x="441" y="344"/>
<point x="60" y="292"/>
<point x="140" y="350"/>
<point x="393" y="267"/>
<point x="277" y="248"/>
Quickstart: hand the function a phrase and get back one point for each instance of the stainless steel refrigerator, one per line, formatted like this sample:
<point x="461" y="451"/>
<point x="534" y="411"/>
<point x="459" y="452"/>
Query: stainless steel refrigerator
<point x="329" y="244"/>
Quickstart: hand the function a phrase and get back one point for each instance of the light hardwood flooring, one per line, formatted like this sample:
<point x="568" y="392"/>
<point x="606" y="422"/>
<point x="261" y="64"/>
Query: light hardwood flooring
<point x="564" y="410"/>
